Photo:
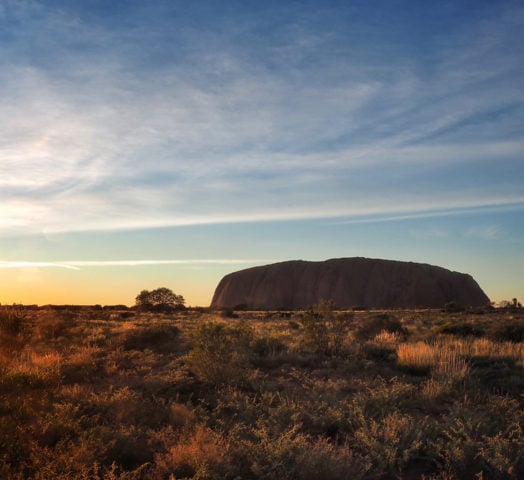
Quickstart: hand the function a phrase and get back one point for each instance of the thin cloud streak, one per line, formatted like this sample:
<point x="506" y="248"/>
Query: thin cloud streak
<point x="466" y="209"/>
<point x="358" y="211"/>
<point x="28" y="264"/>
<point x="78" y="264"/>
<point x="365" y="212"/>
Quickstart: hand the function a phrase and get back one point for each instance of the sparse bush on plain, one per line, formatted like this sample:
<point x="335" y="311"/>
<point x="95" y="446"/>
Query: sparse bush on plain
<point x="196" y="453"/>
<point x="324" y="330"/>
<point x="461" y="329"/>
<point x="158" y="337"/>
<point x="220" y="353"/>
<point x="369" y="327"/>
<point x="388" y="444"/>
<point x="268" y="346"/>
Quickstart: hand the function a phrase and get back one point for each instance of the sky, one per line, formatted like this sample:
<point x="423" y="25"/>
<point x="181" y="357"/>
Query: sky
<point x="168" y="143"/>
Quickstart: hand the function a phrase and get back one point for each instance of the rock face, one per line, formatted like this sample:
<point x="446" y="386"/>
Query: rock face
<point x="348" y="282"/>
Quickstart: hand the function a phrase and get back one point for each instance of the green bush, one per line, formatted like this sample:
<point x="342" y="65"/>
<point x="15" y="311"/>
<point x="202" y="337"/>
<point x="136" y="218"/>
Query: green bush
<point x="485" y="441"/>
<point x="220" y="353"/>
<point x="324" y="330"/>
<point x="316" y="333"/>
<point x="387" y="445"/>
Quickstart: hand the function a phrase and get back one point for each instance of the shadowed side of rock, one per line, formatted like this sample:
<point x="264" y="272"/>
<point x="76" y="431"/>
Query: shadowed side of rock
<point x="347" y="282"/>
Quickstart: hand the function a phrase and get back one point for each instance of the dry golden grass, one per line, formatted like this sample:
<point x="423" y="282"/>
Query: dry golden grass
<point x="196" y="452"/>
<point x="484" y="347"/>
<point x="451" y="357"/>
<point x="441" y="359"/>
<point x="387" y="338"/>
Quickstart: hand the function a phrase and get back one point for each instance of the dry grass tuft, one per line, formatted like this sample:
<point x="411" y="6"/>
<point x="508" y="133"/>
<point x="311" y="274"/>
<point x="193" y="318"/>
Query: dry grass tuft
<point x="440" y="359"/>
<point x="195" y="453"/>
<point x="387" y="338"/>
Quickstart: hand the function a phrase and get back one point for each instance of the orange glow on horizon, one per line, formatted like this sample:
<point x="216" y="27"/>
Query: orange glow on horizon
<point x="31" y="286"/>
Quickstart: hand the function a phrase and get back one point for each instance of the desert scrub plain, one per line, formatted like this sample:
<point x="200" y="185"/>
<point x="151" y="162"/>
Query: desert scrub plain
<point x="92" y="393"/>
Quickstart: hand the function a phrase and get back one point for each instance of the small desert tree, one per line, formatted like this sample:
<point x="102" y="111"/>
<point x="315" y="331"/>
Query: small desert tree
<point x="160" y="299"/>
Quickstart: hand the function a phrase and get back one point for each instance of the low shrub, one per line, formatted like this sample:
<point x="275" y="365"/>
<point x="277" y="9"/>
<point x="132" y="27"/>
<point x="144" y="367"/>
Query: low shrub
<point x="156" y="337"/>
<point x="220" y="353"/>
<point x="33" y="370"/>
<point x="228" y="313"/>
<point x="289" y="455"/>
<point x="324" y="330"/>
<point x="195" y="453"/>
<point x="379" y="352"/>
<point x="453" y="307"/>
<point x="370" y="327"/>
<point x="461" y="329"/>
<point x="509" y="331"/>
<point x="268" y="346"/>
<point x="12" y="319"/>
<point x="486" y="441"/>
<point x="389" y="444"/>
<point x="316" y="334"/>
<point x="50" y="327"/>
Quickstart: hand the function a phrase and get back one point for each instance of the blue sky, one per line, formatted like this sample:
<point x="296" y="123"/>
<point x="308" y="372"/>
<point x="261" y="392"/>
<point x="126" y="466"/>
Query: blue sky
<point x="168" y="142"/>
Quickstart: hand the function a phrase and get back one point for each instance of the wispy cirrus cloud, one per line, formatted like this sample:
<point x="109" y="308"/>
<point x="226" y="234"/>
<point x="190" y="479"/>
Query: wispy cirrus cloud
<point x="485" y="232"/>
<point x="102" y="130"/>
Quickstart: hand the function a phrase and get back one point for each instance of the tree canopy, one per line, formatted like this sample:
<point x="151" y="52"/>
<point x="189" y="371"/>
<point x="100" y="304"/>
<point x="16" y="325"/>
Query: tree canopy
<point x="159" y="299"/>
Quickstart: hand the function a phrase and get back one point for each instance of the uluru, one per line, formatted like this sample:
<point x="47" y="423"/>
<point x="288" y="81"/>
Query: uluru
<point x="347" y="282"/>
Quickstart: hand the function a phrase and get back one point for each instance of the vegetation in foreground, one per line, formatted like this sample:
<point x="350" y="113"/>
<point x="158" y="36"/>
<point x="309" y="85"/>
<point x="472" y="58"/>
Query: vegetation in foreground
<point x="97" y="394"/>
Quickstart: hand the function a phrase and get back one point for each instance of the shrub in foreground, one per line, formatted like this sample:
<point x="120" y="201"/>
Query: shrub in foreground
<point x="324" y="330"/>
<point x="220" y="353"/>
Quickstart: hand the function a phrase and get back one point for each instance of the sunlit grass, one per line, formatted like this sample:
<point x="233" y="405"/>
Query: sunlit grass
<point x="441" y="359"/>
<point x="32" y="368"/>
<point x="387" y="338"/>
